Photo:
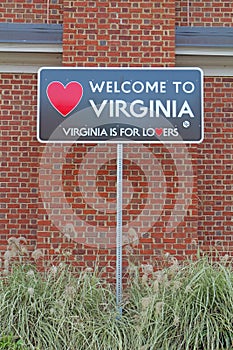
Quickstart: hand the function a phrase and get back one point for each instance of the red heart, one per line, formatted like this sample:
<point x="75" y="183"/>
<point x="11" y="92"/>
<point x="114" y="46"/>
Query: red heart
<point x="64" y="98"/>
<point x="159" y="131"/>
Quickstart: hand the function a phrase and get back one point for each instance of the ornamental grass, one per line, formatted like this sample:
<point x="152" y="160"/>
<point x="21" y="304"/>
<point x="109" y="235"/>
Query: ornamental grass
<point x="183" y="306"/>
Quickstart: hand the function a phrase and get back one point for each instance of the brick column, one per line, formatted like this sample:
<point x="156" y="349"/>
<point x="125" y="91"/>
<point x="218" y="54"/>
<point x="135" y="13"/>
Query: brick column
<point x="119" y="33"/>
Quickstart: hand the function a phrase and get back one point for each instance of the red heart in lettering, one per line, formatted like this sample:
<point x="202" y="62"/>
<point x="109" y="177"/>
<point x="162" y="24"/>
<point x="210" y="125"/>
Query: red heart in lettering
<point x="64" y="98"/>
<point x="159" y="131"/>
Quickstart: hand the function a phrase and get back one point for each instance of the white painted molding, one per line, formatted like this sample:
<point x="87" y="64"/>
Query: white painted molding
<point x="212" y="63"/>
<point x="204" y="51"/>
<point x="14" y="47"/>
<point x="30" y="62"/>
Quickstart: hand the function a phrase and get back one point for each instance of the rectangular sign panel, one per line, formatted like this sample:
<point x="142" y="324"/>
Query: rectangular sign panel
<point x="147" y="105"/>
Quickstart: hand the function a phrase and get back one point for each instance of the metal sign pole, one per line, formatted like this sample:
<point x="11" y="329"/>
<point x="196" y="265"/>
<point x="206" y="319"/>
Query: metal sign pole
<point x="119" y="228"/>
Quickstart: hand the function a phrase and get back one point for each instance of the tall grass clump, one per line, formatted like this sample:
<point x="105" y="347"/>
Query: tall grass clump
<point x="183" y="306"/>
<point x="60" y="310"/>
<point x="187" y="307"/>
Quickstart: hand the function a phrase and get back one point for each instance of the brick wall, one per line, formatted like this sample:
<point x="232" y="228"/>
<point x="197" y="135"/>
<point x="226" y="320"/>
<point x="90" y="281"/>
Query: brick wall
<point x="204" y="13"/>
<point x="119" y="33"/>
<point x="43" y="187"/>
<point x="78" y="187"/>
<point x="19" y="157"/>
<point x="215" y="153"/>
<point x="215" y="172"/>
<point x="31" y="11"/>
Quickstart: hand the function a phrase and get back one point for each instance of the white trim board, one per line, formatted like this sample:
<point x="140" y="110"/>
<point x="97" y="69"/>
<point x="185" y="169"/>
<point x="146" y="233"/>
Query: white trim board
<point x="204" y="51"/>
<point x="14" y="47"/>
<point x="211" y="65"/>
<point x="30" y="62"/>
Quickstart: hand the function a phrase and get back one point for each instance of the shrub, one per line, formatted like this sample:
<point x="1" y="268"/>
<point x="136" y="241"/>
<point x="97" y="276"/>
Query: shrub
<point x="59" y="310"/>
<point x="187" y="307"/>
<point x="181" y="307"/>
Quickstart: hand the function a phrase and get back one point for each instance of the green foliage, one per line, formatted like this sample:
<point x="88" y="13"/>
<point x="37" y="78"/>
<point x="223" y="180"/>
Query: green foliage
<point x="10" y="343"/>
<point x="182" y="307"/>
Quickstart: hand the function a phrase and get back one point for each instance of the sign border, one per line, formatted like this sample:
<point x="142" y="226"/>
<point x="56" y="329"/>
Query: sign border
<point x="121" y="141"/>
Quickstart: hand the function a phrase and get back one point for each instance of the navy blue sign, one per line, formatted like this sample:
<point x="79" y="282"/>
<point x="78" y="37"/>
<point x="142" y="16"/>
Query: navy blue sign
<point x="120" y="105"/>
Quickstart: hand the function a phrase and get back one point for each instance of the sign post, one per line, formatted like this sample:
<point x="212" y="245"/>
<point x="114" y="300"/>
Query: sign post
<point x="119" y="228"/>
<point x="120" y="105"/>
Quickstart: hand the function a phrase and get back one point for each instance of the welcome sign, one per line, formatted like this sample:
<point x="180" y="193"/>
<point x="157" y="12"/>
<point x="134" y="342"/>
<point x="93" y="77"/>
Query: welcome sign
<point x="120" y="105"/>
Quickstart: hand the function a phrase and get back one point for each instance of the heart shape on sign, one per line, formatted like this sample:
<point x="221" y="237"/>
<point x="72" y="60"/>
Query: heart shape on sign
<point x="159" y="131"/>
<point x="64" y="98"/>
